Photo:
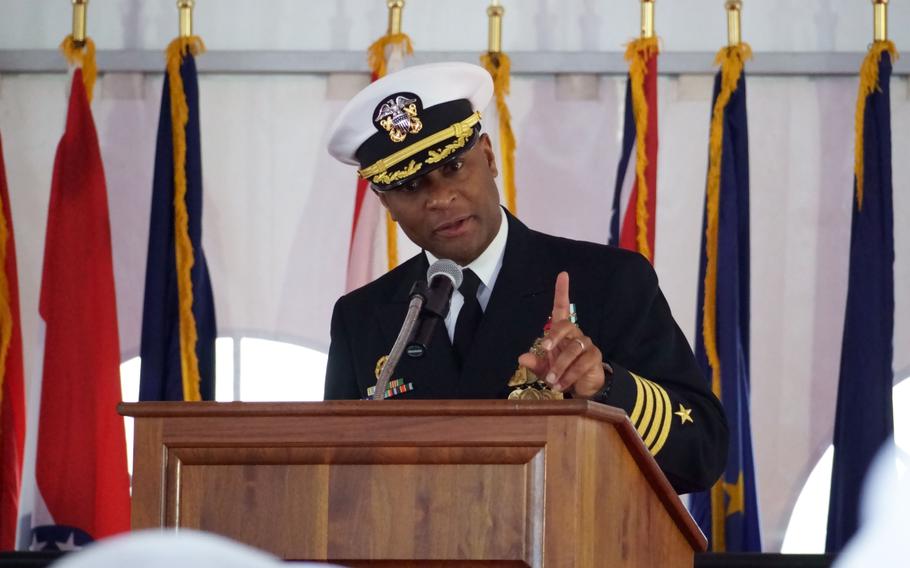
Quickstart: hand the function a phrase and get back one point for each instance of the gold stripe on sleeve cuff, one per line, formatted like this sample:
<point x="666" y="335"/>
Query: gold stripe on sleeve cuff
<point x="668" y="421"/>
<point x="659" y="412"/>
<point x="648" y="414"/>
<point x="652" y="413"/>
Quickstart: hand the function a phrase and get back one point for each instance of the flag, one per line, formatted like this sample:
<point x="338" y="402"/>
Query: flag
<point x="80" y="470"/>
<point x="864" y="407"/>
<point x="728" y="513"/>
<point x="12" y="393"/>
<point x="374" y="235"/>
<point x="635" y="194"/>
<point x="178" y="315"/>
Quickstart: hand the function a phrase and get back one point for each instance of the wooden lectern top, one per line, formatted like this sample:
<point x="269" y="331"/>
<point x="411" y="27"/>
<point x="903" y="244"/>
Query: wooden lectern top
<point x="525" y="483"/>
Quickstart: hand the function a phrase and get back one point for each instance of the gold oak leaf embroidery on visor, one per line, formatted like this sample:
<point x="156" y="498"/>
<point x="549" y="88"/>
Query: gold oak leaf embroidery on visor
<point x="443" y="153"/>
<point x="652" y="414"/>
<point x="385" y="178"/>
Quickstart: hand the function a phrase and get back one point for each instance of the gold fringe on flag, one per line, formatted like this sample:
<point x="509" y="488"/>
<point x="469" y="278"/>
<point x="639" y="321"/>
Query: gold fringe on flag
<point x="499" y="65"/>
<point x="391" y="240"/>
<point x="189" y="363"/>
<point x="377" y="58"/>
<point x="731" y="60"/>
<point x="868" y="82"/>
<point x="377" y="53"/>
<point x="638" y="53"/>
<point x="84" y="57"/>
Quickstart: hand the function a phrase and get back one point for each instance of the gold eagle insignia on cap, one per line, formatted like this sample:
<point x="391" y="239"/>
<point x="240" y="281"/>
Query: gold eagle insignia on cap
<point x="398" y="117"/>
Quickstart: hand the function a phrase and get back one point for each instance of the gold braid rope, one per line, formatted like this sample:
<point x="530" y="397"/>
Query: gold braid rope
<point x="638" y="53"/>
<point x="499" y="66"/>
<point x="189" y="363"/>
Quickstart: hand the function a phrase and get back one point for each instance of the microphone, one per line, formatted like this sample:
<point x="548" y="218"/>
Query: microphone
<point x="443" y="278"/>
<point x="429" y="302"/>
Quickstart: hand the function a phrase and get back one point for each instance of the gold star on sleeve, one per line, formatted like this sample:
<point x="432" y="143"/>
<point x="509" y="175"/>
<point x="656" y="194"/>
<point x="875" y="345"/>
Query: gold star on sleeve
<point x="685" y="414"/>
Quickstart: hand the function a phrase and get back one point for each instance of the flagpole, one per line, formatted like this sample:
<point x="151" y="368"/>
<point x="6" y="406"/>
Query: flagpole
<point x="499" y="65"/>
<point x="79" y="19"/>
<point x="495" y="12"/>
<point x="185" y="8"/>
<point x="880" y="20"/>
<point x="395" y="9"/>
<point x="647" y="19"/>
<point x="734" y="22"/>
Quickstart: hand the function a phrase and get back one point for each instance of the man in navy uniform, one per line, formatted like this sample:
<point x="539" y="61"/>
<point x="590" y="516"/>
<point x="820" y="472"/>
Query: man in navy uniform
<point x="415" y="136"/>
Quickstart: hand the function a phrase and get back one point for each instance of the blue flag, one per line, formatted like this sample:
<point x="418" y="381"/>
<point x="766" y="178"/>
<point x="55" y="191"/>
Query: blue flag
<point x="864" y="406"/>
<point x="728" y="514"/>
<point x="167" y="350"/>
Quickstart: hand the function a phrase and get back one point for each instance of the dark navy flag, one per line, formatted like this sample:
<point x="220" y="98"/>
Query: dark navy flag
<point x="162" y="369"/>
<point x="864" y="412"/>
<point x="728" y="514"/>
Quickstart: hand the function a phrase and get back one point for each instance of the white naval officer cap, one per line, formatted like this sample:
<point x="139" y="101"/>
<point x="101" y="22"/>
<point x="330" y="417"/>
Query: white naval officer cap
<point x="411" y="122"/>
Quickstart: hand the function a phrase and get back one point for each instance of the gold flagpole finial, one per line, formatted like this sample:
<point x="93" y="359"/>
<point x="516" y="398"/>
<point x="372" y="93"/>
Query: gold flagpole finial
<point x="734" y="22"/>
<point x="186" y="17"/>
<point x="647" y="19"/>
<point x="880" y="19"/>
<point x="79" y="15"/>
<point x="395" y="8"/>
<point x="495" y="12"/>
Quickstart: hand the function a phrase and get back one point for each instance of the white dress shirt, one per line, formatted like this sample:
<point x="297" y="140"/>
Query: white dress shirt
<point x="486" y="267"/>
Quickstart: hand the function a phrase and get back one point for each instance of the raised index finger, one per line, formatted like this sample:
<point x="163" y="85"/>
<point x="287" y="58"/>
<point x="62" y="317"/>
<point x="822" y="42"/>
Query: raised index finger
<point x="561" y="298"/>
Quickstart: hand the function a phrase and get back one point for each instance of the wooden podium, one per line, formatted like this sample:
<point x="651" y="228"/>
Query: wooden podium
<point x="412" y="483"/>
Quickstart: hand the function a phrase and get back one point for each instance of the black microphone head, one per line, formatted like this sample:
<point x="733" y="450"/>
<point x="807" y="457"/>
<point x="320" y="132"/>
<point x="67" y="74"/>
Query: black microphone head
<point x="446" y="267"/>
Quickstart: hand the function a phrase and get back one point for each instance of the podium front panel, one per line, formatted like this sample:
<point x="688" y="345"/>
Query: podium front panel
<point x="444" y="503"/>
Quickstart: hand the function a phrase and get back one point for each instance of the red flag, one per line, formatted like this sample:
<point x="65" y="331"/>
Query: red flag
<point x="81" y="462"/>
<point x="12" y="411"/>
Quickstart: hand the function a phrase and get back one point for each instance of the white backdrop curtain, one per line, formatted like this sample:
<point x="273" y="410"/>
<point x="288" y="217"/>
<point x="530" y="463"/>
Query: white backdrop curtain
<point x="278" y="209"/>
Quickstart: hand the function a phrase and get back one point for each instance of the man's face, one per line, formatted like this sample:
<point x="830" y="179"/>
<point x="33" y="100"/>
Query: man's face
<point x="453" y="211"/>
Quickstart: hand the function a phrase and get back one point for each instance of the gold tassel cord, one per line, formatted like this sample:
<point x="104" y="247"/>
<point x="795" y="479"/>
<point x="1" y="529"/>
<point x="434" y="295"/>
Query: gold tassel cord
<point x="868" y="82"/>
<point x="499" y="66"/>
<point x="731" y="60"/>
<point x="84" y="57"/>
<point x="391" y="240"/>
<point x="377" y="58"/>
<point x="638" y="53"/>
<point x="189" y="363"/>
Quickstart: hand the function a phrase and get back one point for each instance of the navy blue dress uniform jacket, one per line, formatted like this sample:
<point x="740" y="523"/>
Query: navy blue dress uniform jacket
<point x="620" y="307"/>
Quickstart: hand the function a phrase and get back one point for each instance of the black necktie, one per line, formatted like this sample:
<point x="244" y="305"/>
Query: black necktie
<point x="469" y="317"/>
